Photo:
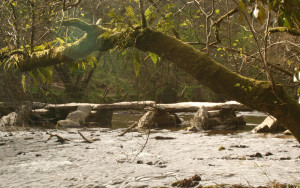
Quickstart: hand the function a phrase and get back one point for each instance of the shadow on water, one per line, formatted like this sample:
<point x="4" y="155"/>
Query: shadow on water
<point x="125" y="119"/>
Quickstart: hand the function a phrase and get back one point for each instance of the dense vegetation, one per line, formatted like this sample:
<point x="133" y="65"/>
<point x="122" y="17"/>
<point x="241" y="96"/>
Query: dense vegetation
<point x="257" y="39"/>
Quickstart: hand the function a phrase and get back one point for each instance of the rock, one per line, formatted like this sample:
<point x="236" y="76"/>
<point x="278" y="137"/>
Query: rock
<point x="9" y="120"/>
<point x="269" y="125"/>
<point x="21" y="153"/>
<point x="147" y="120"/>
<point x="166" y="119"/>
<point x="224" y="119"/>
<point x="24" y="113"/>
<point x="101" y="118"/>
<point x="159" y="119"/>
<point x="287" y="132"/>
<point x="76" y="118"/>
<point x="259" y="155"/>
<point x="149" y="163"/>
<point x="163" y="138"/>
<point x="239" y="146"/>
<point x="188" y="182"/>
<point x="268" y="154"/>
<point x="285" y="158"/>
<point x="200" y="120"/>
<point x="68" y="123"/>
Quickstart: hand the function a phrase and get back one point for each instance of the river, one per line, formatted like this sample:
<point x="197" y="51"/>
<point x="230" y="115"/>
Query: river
<point x="27" y="159"/>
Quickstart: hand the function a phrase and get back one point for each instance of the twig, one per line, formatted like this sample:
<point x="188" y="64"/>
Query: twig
<point x="128" y="129"/>
<point x="263" y="171"/>
<point x="69" y="6"/>
<point x="292" y="31"/>
<point x="207" y="18"/>
<point x="59" y="138"/>
<point x="144" y="22"/>
<point x="148" y="135"/>
<point x="87" y="140"/>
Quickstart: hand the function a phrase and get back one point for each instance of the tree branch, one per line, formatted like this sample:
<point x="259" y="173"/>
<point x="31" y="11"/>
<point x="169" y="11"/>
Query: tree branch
<point x="75" y="22"/>
<point x="144" y="22"/>
<point x="218" y="22"/>
<point x="293" y="31"/>
<point x="68" y="7"/>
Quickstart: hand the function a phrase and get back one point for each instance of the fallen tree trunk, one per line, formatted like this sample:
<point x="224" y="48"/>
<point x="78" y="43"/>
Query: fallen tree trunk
<point x="140" y="105"/>
<point x="194" y="106"/>
<point x="258" y="95"/>
<point x="135" y="105"/>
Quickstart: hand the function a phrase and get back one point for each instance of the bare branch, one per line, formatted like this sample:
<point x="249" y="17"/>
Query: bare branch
<point x="69" y="6"/>
<point x="84" y="26"/>
<point x="87" y="140"/>
<point x="144" y="22"/>
<point x="292" y="31"/>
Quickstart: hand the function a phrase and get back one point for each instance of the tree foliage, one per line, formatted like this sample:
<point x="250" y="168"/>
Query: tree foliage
<point x="240" y="35"/>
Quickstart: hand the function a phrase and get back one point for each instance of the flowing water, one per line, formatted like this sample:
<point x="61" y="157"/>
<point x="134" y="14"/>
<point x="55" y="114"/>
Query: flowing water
<point x="28" y="160"/>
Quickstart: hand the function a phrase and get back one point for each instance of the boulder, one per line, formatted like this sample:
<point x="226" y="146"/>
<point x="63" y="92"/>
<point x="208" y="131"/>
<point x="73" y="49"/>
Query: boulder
<point x="200" y="120"/>
<point x="287" y="132"/>
<point x="269" y="125"/>
<point x="224" y="119"/>
<point x="100" y="118"/>
<point x="147" y="120"/>
<point x="158" y="119"/>
<point x="9" y="120"/>
<point x="76" y="118"/>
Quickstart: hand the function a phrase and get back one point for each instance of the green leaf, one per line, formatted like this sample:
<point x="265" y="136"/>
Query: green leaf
<point x="129" y="12"/>
<point x="24" y="82"/>
<point x="35" y="75"/>
<point x="237" y="85"/>
<point x="46" y="74"/>
<point x="298" y="91"/>
<point x="288" y="22"/>
<point x="217" y="11"/>
<point x="154" y="57"/>
<point x="61" y="41"/>
<point x="137" y="61"/>
<point x="281" y="19"/>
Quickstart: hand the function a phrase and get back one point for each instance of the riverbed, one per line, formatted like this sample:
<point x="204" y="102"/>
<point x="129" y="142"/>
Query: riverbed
<point x="28" y="159"/>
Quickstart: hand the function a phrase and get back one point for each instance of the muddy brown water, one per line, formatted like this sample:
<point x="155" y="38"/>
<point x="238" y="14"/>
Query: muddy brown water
<point x="28" y="160"/>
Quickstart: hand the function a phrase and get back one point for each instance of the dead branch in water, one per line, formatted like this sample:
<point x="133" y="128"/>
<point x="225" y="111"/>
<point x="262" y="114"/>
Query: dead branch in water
<point x="59" y="138"/>
<point x="142" y="149"/>
<point x="87" y="140"/>
<point x="128" y="129"/>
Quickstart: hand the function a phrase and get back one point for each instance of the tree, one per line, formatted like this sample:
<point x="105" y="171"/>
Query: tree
<point x="268" y="96"/>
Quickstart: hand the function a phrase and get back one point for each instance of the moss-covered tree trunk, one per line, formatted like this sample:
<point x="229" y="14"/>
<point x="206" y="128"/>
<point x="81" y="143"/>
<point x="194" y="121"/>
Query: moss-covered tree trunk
<point x="258" y="95"/>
